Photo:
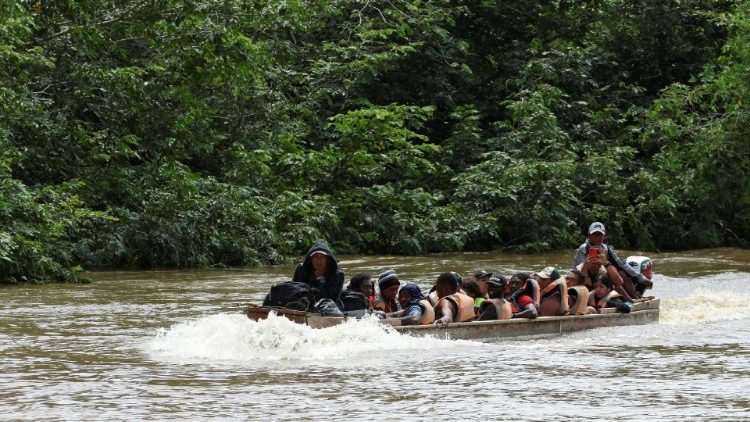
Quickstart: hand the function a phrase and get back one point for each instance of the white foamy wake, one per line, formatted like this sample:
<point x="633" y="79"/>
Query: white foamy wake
<point x="705" y="305"/>
<point x="235" y="338"/>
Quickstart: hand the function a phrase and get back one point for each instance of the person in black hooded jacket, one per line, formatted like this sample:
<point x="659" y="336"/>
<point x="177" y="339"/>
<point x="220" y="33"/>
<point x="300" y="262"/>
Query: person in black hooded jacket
<point x="320" y="270"/>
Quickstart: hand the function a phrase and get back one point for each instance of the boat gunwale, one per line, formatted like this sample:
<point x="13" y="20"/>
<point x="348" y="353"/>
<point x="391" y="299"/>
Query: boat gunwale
<point x="525" y="321"/>
<point x="643" y="313"/>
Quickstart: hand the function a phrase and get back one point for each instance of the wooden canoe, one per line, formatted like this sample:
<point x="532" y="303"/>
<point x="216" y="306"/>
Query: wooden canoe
<point x="642" y="313"/>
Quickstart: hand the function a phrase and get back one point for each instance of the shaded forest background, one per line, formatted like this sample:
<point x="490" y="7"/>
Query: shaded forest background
<point x="147" y="133"/>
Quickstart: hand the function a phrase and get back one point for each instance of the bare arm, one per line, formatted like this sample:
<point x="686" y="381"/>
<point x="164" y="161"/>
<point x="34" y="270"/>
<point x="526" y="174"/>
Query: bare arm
<point x="396" y="314"/>
<point x="446" y="310"/>
<point x="529" y="312"/>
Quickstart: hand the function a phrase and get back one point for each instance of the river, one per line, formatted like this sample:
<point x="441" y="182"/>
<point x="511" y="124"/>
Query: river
<point x="174" y="345"/>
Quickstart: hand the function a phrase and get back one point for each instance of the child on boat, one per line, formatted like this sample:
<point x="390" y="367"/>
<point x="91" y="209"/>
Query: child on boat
<point x="603" y="296"/>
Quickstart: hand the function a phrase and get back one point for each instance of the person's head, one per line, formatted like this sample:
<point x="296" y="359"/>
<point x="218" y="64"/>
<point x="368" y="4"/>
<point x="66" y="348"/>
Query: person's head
<point x="602" y="286"/>
<point x="362" y="283"/>
<point x="388" y="283"/>
<point x="574" y="277"/>
<point x="472" y="289"/>
<point x="447" y="284"/>
<point x="547" y="276"/>
<point x="596" y="233"/>
<point x="517" y="280"/>
<point x="482" y="276"/>
<point x="496" y="287"/>
<point x="319" y="261"/>
<point x="408" y="294"/>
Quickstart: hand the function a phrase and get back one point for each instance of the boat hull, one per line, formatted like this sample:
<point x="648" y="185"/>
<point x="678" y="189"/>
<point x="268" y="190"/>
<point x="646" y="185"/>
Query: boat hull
<point x="536" y="328"/>
<point x="642" y="313"/>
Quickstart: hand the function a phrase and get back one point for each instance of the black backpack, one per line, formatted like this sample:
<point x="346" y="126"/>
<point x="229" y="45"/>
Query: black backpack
<point x="353" y="301"/>
<point x="327" y="308"/>
<point x="292" y="295"/>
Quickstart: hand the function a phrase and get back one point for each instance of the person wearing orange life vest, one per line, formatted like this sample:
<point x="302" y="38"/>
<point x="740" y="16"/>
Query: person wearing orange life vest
<point x="495" y="306"/>
<point x="452" y="306"/>
<point x="603" y="296"/>
<point x="578" y="293"/>
<point x="525" y="298"/>
<point x="416" y="308"/>
<point x="554" y="292"/>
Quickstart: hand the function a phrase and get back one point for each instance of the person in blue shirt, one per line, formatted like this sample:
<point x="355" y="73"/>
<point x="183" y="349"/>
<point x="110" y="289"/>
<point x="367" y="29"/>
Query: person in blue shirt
<point x="416" y="308"/>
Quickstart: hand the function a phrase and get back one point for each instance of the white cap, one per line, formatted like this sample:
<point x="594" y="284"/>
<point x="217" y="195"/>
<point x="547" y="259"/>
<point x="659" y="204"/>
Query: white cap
<point x="597" y="227"/>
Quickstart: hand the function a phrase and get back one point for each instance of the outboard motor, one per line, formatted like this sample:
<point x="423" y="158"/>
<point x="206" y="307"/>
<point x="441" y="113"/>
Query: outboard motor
<point x="642" y="264"/>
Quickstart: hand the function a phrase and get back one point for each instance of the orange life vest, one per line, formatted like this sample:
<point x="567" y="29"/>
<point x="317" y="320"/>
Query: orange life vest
<point x="581" y="293"/>
<point x="464" y="307"/>
<point x="503" y="308"/>
<point x="561" y="286"/>
<point x="601" y="302"/>
<point x="428" y="316"/>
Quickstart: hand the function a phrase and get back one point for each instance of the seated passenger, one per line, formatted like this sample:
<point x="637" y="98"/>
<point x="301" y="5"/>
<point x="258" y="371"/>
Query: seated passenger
<point x="603" y="296"/>
<point x="578" y="294"/>
<point x="597" y="265"/>
<point x="554" y="292"/>
<point x="595" y="239"/>
<point x="525" y="298"/>
<point x="415" y="308"/>
<point x="472" y="289"/>
<point x="388" y="284"/>
<point x="432" y="296"/>
<point x="452" y="306"/>
<point x="482" y="277"/>
<point x="320" y="270"/>
<point x="358" y="294"/>
<point x="495" y="306"/>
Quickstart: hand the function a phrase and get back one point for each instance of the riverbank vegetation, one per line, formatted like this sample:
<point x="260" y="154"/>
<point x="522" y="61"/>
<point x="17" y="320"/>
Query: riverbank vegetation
<point x="148" y="133"/>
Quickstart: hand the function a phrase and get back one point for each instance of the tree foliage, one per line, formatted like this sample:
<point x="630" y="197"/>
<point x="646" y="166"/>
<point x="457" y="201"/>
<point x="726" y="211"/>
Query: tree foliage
<point x="154" y="133"/>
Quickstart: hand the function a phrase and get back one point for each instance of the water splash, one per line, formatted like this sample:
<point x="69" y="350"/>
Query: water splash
<point x="705" y="305"/>
<point x="235" y="338"/>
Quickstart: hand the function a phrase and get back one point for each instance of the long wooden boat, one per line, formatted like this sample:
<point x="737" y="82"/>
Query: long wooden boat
<point x="642" y="313"/>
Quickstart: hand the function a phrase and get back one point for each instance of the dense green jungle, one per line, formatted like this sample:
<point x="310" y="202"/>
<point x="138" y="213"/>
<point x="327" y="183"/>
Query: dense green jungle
<point x="195" y="133"/>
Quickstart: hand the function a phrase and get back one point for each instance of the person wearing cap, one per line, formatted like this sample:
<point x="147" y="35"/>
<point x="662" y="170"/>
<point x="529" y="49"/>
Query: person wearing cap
<point x="388" y="284"/>
<point x="471" y="288"/>
<point x="554" y="292"/>
<point x="452" y="306"/>
<point x="596" y="235"/>
<point x="482" y="277"/>
<point x="495" y="306"/>
<point x="415" y="308"/>
<point x="320" y="270"/>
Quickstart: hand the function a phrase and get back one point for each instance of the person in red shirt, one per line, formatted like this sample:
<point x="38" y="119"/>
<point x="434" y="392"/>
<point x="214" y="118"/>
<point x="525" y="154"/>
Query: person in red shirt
<point x="525" y="299"/>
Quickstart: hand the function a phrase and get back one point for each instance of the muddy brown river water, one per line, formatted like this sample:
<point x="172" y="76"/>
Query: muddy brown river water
<point x="173" y="345"/>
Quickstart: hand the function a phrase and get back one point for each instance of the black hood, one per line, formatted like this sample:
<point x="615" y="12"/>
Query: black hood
<point x="320" y="246"/>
